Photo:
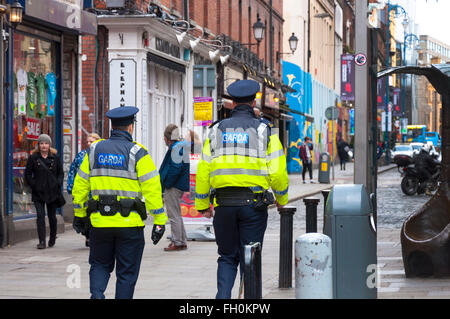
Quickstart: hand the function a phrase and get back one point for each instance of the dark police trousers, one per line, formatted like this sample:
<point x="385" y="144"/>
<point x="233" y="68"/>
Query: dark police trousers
<point x="235" y="227"/>
<point x="120" y="246"/>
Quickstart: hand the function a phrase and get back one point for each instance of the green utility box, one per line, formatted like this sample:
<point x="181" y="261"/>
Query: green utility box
<point x="349" y="223"/>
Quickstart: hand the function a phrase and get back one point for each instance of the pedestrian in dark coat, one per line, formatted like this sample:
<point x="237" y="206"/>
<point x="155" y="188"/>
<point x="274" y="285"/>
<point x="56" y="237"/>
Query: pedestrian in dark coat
<point x="44" y="174"/>
<point x="343" y="149"/>
<point x="306" y="149"/>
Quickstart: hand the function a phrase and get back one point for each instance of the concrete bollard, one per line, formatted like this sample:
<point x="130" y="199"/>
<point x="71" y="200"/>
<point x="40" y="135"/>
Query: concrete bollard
<point x="313" y="267"/>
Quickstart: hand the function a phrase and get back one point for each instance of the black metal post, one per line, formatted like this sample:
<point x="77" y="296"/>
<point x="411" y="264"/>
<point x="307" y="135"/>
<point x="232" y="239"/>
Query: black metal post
<point x="311" y="214"/>
<point x="286" y="238"/>
<point x="325" y="194"/>
<point x="252" y="271"/>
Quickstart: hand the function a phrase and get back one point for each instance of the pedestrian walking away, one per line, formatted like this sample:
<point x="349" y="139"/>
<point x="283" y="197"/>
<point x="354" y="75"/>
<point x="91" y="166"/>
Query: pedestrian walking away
<point x="174" y="175"/>
<point x="74" y="167"/>
<point x="119" y="173"/>
<point x="242" y="158"/>
<point x="44" y="174"/>
<point x="343" y="149"/>
<point x="306" y="156"/>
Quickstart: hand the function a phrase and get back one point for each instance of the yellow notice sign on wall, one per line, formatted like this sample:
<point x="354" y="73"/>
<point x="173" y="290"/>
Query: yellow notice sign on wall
<point x="203" y="110"/>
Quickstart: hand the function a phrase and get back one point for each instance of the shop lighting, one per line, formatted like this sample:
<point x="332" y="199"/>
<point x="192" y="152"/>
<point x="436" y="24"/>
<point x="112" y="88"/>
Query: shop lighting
<point x="224" y="59"/>
<point x="194" y="43"/>
<point x="214" y="56"/>
<point x="180" y="37"/>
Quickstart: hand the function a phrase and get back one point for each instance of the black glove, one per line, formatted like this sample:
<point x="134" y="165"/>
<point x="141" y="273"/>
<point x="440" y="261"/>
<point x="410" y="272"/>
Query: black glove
<point x="157" y="233"/>
<point x="79" y="224"/>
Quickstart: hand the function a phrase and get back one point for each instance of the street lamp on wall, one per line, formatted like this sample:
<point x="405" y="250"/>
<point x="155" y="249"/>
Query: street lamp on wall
<point x="293" y="42"/>
<point x="258" y="31"/>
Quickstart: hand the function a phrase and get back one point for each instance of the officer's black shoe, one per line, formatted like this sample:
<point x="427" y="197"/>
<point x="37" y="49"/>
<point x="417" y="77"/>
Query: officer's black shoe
<point x="51" y="242"/>
<point x="41" y="245"/>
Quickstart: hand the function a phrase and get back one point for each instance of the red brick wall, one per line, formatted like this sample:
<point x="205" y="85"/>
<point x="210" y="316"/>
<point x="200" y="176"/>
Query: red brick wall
<point x="223" y="16"/>
<point x="94" y="100"/>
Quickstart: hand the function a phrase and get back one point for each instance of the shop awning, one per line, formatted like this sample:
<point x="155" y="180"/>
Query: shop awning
<point x="151" y="57"/>
<point x="68" y="16"/>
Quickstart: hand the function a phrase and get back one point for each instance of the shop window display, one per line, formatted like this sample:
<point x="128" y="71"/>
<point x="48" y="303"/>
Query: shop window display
<point x="35" y="95"/>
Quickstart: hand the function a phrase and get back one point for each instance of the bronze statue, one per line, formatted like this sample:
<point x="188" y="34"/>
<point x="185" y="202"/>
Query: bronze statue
<point x="425" y="235"/>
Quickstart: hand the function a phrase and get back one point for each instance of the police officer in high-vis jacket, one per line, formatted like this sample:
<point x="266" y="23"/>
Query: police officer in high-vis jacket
<point x="242" y="159"/>
<point x="124" y="184"/>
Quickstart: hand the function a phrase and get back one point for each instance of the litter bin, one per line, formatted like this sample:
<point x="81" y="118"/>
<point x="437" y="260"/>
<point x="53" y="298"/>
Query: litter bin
<point x="350" y="225"/>
<point x="324" y="168"/>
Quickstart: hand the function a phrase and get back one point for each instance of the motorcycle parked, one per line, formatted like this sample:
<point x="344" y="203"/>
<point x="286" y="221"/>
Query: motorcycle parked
<point x="414" y="182"/>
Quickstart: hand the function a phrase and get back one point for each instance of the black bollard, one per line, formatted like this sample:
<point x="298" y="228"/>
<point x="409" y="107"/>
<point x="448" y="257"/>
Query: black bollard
<point x="252" y="271"/>
<point x="311" y="214"/>
<point x="286" y="238"/>
<point x="325" y="194"/>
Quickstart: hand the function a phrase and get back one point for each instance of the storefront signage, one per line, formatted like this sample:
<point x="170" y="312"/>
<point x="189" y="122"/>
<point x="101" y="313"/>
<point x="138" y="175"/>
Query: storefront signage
<point x="167" y="47"/>
<point x="33" y="128"/>
<point x="347" y="77"/>
<point x="65" y="13"/>
<point x="203" y="109"/>
<point x="397" y="111"/>
<point x="122" y="83"/>
<point x="381" y="93"/>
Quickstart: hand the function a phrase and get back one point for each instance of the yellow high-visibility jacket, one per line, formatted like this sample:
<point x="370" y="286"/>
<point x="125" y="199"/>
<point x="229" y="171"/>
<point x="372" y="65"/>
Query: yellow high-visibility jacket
<point x="118" y="166"/>
<point x="242" y="151"/>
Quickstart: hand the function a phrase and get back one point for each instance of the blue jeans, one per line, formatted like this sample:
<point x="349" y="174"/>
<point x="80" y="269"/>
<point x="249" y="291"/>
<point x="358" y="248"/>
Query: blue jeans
<point x="120" y="246"/>
<point x="235" y="227"/>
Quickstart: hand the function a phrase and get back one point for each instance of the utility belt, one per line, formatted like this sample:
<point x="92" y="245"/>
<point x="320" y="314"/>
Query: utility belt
<point x="108" y="205"/>
<point x="242" y="196"/>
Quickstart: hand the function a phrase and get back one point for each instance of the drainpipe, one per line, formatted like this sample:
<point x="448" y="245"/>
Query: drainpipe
<point x="2" y="148"/>
<point x="309" y="35"/>
<point x="271" y="36"/>
<point x="186" y="10"/>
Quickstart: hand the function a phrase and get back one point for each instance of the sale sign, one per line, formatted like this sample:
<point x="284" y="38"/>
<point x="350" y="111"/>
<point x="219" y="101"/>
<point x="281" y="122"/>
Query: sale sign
<point x="33" y="128"/>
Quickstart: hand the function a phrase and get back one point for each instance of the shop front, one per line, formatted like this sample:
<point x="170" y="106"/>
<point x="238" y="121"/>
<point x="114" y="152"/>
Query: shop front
<point x="151" y="70"/>
<point x="41" y="98"/>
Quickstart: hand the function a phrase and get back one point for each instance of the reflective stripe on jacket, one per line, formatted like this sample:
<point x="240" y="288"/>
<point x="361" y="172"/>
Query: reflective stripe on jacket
<point x="118" y="166"/>
<point x="241" y="151"/>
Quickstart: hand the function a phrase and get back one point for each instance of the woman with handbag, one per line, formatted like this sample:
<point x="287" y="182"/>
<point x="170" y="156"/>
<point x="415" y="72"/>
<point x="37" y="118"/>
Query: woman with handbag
<point x="44" y="174"/>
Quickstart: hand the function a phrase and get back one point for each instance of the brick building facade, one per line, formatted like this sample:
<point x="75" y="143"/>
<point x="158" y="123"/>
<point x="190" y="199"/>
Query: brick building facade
<point x="219" y="19"/>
